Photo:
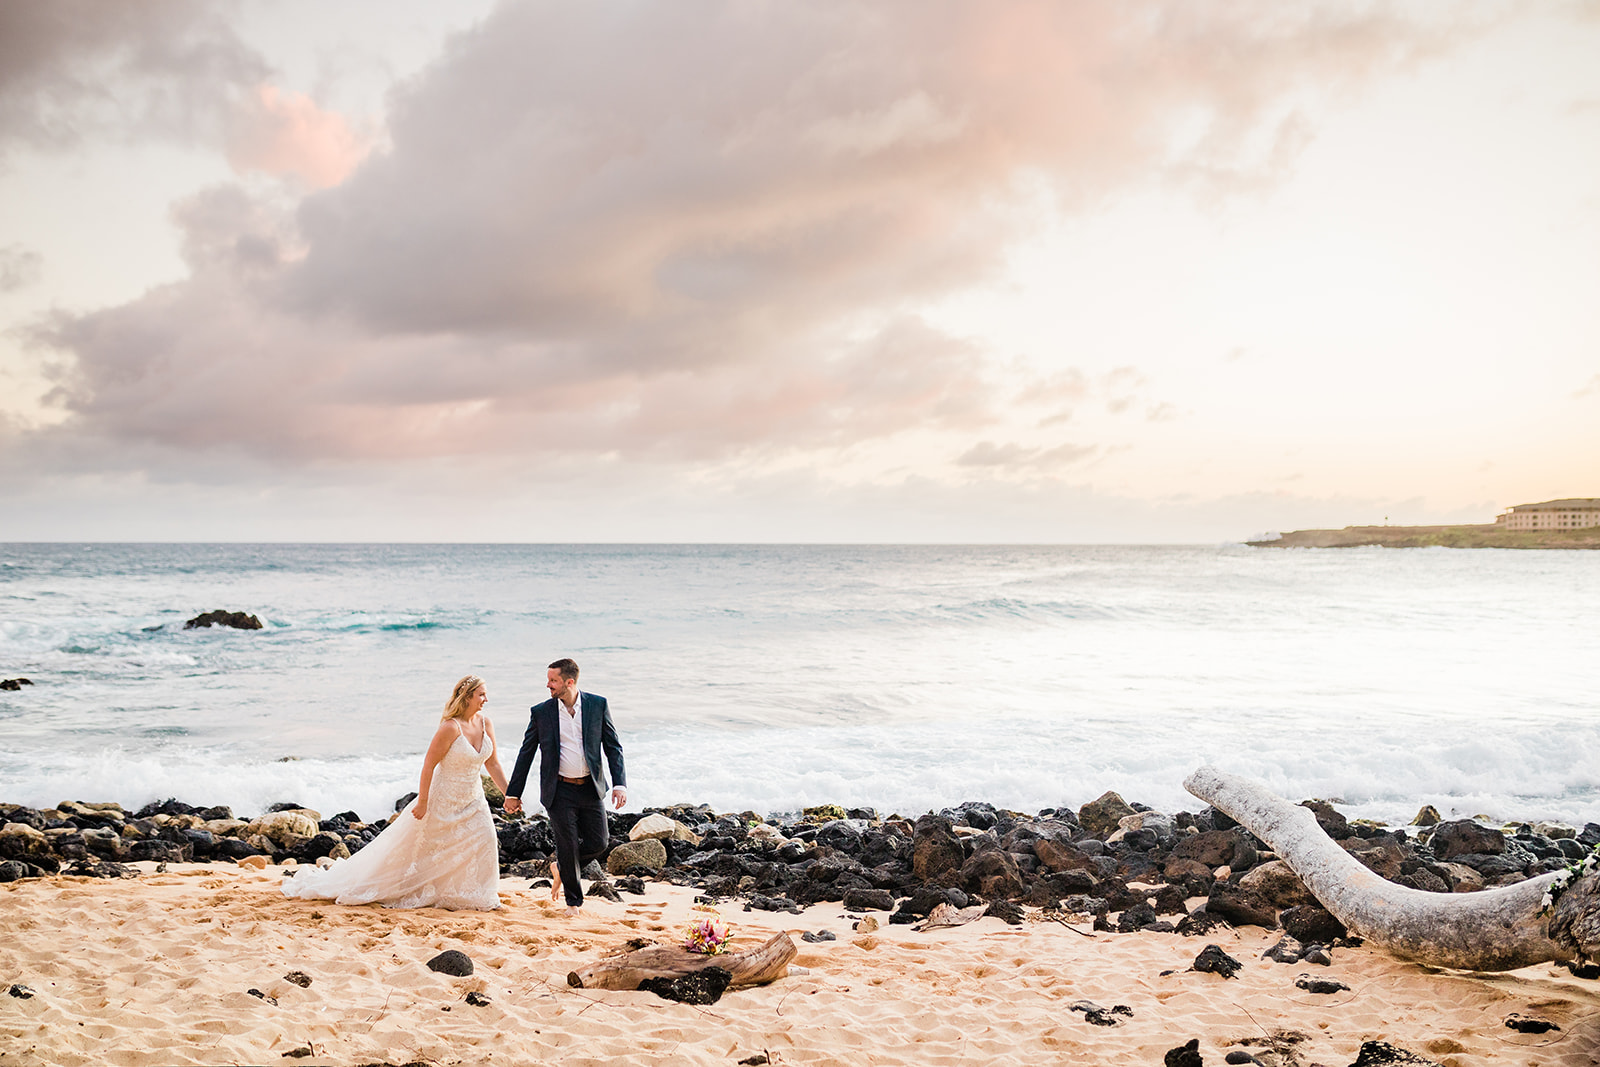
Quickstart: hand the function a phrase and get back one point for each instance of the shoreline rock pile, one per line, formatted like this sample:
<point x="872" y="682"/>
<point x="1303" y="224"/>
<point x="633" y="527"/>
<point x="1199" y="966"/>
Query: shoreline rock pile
<point x="1123" y="866"/>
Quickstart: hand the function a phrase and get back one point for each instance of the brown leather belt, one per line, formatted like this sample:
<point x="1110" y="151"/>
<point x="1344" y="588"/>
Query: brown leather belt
<point x="574" y="781"/>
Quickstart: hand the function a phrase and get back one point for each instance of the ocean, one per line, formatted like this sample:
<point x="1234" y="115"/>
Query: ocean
<point x="771" y="677"/>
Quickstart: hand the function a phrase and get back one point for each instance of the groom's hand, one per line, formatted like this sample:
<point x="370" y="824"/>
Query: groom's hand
<point x="619" y="797"/>
<point x="513" y="805"/>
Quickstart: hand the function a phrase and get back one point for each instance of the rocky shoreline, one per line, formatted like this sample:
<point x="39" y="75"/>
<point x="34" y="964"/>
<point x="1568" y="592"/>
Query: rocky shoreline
<point x="1123" y="866"/>
<point x="1474" y="535"/>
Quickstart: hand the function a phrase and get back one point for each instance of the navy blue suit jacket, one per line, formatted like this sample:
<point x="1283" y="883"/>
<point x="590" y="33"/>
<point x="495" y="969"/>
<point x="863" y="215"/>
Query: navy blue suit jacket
<point x="544" y="732"/>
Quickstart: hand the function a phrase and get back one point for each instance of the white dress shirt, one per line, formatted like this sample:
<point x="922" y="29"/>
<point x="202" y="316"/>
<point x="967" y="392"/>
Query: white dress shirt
<point x="573" y="765"/>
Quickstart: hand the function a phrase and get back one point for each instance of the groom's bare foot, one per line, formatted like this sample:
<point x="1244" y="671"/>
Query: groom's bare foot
<point x="555" y="882"/>
<point x="571" y="912"/>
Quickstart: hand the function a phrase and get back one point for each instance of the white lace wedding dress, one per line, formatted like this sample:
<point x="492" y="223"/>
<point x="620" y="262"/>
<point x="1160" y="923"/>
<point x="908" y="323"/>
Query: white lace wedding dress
<point x="449" y="858"/>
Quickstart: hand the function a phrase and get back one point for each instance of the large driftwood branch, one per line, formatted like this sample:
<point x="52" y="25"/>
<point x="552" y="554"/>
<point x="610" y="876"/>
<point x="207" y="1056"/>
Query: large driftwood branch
<point x="757" y="966"/>
<point x="1493" y="930"/>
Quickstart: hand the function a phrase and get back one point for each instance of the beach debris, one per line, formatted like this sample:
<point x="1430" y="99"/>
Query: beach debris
<point x="299" y="1053"/>
<point x="477" y="999"/>
<point x="1320" y="985"/>
<point x="764" y="963"/>
<point x="1497" y="929"/>
<point x="944" y="915"/>
<point x="1185" y="1055"/>
<point x="1381" y="1054"/>
<point x="299" y="978"/>
<point x="1212" y="960"/>
<point x="820" y="935"/>
<point x="20" y="991"/>
<point x="453" y="962"/>
<point x="236" y="620"/>
<point x="14" y="684"/>
<point x="1527" y="1024"/>
<point x="633" y="944"/>
<point x="760" y="1059"/>
<point x="1095" y="1014"/>
<point x="262" y="996"/>
<point x="704" y="986"/>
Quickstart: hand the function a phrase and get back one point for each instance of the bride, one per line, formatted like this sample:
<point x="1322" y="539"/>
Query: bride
<point x="441" y="851"/>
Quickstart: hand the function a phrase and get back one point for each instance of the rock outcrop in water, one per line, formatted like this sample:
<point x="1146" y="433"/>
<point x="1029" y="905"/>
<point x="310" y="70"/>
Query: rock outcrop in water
<point x="237" y="620"/>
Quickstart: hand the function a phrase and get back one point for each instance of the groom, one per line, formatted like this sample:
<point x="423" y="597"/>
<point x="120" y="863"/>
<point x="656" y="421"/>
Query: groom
<point x="572" y="728"/>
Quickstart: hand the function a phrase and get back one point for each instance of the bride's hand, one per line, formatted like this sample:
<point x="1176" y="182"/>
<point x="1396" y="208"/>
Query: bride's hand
<point x="419" y="810"/>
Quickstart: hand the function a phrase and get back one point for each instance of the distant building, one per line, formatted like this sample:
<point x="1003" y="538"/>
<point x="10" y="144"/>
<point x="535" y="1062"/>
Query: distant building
<point x="1573" y="514"/>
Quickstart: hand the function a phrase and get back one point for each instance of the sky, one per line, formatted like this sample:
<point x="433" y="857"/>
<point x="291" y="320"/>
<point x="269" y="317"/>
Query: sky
<point x="1040" y="272"/>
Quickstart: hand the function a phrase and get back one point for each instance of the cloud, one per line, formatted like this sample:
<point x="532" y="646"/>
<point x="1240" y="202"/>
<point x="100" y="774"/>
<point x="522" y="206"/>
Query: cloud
<point x="76" y="70"/>
<point x="1017" y="457"/>
<point x="287" y="134"/>
<point x="19" y="267"/>
<point x="686" y="231"/>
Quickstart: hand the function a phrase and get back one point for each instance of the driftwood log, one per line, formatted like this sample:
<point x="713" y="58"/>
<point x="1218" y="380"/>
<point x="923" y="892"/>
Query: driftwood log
<point x="756" y="966"/>
<point x="1491" y="930"/>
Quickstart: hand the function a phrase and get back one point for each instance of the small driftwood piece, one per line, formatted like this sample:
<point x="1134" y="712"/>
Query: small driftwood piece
<point x="756" y="966"/>
<point x="944" y="915"/>
<point x="1491" y="930"/>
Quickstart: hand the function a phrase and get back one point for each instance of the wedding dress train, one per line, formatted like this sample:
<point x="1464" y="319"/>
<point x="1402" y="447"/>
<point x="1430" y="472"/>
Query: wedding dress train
<point x="449" y="858"/>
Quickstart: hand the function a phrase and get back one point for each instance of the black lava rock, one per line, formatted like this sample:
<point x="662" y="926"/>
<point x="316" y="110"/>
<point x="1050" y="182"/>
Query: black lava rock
<point x="1212" y="960"/>
<point x="1240" y="906"/>
<point x="1319" y="985"/>
<point x="1526" y="1024"/>
<point x="1464" y="837"/>
<point x="477" y="1000"/>
<point x="1185" y="1055"/>
<point x="702" y="987"/>
<point x="1308" y="923"/>
<point x="1381" y="1053"/>
<point x="237" y="620"/>
<point x="452" y="962"/>
<point x="869" y="900"/>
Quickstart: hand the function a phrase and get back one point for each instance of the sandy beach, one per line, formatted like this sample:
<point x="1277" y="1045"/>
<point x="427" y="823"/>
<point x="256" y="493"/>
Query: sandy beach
<point x="155" y="970"/>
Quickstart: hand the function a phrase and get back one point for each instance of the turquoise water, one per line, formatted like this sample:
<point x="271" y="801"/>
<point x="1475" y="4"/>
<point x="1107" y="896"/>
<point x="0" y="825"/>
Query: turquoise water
<point x="770" y="677"/>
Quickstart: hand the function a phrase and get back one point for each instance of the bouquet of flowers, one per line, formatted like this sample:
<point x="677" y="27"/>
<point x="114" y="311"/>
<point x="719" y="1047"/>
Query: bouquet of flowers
<point x="707" y="934"/>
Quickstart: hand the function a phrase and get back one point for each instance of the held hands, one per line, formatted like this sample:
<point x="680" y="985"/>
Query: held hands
<point x="513" y="805"/>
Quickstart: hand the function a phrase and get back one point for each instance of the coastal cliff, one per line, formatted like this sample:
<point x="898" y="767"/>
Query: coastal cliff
<point x="1481" y="535"/>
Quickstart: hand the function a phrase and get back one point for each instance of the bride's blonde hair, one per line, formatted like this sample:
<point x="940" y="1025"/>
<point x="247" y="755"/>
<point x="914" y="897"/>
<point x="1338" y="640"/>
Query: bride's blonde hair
<point x="457" y="707"/>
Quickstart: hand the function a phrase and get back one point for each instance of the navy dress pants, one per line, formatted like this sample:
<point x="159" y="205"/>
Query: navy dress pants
<point x="578" y="823"/>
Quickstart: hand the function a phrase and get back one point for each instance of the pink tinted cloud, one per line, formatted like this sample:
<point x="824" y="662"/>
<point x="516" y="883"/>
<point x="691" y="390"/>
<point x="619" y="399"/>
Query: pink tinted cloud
<point x="684" y="230"/>
<point x="287" y="134"/>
